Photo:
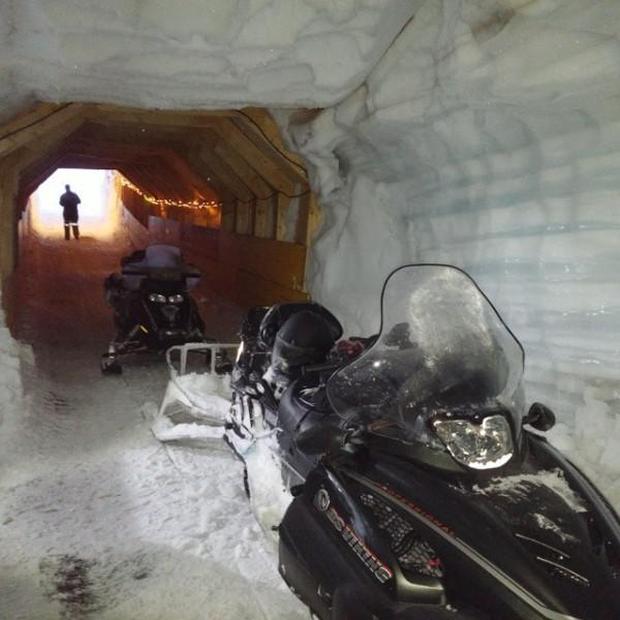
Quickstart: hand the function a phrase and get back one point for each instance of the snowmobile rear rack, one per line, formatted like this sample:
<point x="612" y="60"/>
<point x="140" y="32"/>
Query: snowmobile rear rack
<point x="215" y="350"/>
<point x="184" y="400"/>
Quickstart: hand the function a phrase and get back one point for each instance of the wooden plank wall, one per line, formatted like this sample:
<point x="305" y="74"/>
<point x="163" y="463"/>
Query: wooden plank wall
<point x="242" y="268"/>
<point x="136" y="228"/>
<point x="246" y="269"/>
<point x="138" y="207"/>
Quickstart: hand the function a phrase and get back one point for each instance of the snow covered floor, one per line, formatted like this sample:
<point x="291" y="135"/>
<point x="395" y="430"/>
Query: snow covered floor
<point x="97" y="518"/>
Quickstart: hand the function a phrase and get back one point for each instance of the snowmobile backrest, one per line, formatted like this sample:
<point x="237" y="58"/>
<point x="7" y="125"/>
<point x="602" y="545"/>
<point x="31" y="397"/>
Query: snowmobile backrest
<point x="153" y="257"/>
<point x="157" y="262"/>
<point x="163" y="256"/>
<point x="277" y="315"/>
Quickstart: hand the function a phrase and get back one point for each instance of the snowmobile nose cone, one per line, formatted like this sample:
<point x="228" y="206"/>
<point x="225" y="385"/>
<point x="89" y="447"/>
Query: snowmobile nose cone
<point x="170" y="312"/>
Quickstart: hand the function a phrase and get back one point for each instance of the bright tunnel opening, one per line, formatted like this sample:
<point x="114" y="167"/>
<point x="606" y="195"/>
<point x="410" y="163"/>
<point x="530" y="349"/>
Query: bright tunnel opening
<point x="98" y="213"/>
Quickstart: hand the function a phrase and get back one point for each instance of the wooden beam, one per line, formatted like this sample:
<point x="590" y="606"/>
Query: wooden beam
<point x="259" y="186"/>
<point x="197" y="163"/>
<point x="8" y="216"/>
<point x="270" y="128"/>
<point x="28" y="117"/>
<point x="178" y="168"/>
<point x="228" y="216"/>
<point x="255" y="156"/>
<point x="37" y="172"/>
<point x="264" y="218"/>
<point x="286" y="170"/>
<point x="244" y="218"/>
<point x="262" y="130"/>
<point x="45" y="148"/>
<point x="255" y="123"/>
<point x="176" y="118"/>
<point x="282" y="203"/>
<point x="136" y="177"/>
<point x="162" y="186"/>
<point x="226" y="174"/>
<point x="64" y="116"/>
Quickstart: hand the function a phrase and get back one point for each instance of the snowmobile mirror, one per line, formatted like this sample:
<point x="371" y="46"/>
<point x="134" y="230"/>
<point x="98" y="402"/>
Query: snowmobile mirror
<point x="540" y="417"/>
<point x="321" y="438"/>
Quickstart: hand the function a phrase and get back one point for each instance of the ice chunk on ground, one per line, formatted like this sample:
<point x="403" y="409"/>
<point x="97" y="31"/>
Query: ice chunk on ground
<point x="193" y="423"/>
<point x="202" y="397"/>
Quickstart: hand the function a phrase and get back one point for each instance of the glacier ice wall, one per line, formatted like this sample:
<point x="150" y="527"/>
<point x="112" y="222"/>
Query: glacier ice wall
<point x="11" y="392"/>
<point x="220" y="53"/>
<point x="489" y="137"/>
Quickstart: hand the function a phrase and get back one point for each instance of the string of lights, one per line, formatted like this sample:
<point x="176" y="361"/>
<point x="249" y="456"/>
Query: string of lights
<point x="168" y="202"/>
<point x="201" y="204"/>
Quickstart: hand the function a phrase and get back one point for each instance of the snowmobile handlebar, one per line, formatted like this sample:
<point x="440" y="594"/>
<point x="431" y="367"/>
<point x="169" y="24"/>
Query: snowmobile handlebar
<point x="319" y="368"/>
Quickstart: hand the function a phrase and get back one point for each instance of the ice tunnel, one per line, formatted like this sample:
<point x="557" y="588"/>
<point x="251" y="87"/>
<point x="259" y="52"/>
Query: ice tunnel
<point x="307" y="148"/>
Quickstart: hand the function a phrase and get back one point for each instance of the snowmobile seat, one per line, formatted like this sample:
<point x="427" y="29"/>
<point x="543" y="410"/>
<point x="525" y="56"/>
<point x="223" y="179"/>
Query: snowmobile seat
<point x="302" y="405"/>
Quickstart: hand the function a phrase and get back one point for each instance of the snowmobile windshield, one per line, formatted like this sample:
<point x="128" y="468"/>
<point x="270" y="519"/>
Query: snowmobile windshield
<point x="163" y="256"/>
<point x="442" y="348"/>
<point x="158" y="262"/>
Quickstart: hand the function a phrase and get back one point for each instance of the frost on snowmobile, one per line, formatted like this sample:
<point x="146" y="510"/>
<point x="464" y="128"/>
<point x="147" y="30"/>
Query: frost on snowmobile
<point x="153" y="309"/>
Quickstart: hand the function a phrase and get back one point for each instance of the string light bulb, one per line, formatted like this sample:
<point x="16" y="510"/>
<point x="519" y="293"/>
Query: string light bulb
<point x="167" y="202"/>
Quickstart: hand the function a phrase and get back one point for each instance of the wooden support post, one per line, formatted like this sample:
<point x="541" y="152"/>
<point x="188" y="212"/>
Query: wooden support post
<point x="243" y="221"/>
<point x="265" y="218"/>
<point x="8" y="218"/>
<point x="235" y="217"/>
<point x="272" y="220"/>
<point x="52" y="122"/>
<point x="282" y="203"/>
<point x="252" y="218"/>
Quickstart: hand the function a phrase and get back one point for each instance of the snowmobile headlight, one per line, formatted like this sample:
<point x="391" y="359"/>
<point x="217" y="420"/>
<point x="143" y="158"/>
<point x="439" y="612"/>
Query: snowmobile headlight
<point x="157" y="298"/>
<point x="175" y="299"/>
<point x="482" y="445"/>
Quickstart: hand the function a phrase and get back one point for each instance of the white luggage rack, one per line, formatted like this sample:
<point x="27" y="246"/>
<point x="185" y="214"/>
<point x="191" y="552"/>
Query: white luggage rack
<point x="196" y="397"/>
<point x="184" y="349"/>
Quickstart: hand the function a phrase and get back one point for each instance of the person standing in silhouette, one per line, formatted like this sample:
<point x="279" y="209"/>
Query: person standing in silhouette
<point x="70" y="201"/>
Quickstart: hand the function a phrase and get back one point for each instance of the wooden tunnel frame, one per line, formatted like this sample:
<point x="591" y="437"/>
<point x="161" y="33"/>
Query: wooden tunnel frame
<point x="236" y="158"/>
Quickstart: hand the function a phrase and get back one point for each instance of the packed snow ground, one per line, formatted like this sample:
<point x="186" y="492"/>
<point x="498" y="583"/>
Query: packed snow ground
<point x="98" y="519"/>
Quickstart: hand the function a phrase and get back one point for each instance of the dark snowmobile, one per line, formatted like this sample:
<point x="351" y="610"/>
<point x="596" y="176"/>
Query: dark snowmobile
<point x="153" y="309"/>
<point x="421" y="488"/>
<point x="260" y="375"/>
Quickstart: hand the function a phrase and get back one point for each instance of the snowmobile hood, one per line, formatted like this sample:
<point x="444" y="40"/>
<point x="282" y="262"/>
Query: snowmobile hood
<point x="534" y="535"/>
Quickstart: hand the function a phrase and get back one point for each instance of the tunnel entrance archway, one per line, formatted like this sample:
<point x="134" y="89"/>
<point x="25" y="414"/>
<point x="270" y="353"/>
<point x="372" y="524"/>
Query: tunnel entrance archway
<point x="223" y="182"/>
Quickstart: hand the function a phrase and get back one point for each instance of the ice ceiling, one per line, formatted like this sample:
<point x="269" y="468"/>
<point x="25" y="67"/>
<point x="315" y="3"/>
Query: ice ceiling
<point x="484" y="133"/>
<point x="193" y="54"/>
